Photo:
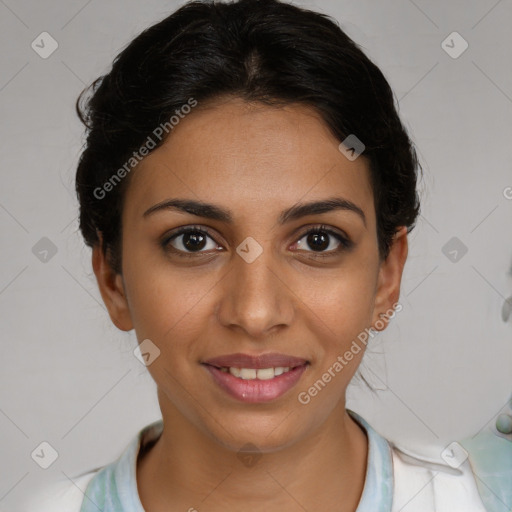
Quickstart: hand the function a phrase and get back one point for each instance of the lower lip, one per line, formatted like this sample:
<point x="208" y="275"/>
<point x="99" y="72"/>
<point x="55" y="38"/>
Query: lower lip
<point x="256" y="391"/>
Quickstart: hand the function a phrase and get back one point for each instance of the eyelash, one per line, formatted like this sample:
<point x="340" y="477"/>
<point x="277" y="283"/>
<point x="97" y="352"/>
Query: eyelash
<point x="345" y="243"/>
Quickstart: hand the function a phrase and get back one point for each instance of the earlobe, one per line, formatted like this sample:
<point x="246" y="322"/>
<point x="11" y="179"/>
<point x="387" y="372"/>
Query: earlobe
<point x="389" y="279"/>
<point x="112" y="290"/>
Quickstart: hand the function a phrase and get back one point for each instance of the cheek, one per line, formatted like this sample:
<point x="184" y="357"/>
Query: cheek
<point x="339" y="305"/>
<point x="171" y="305"/>
<point x="164" y="306"/>
<point x="338" y="310"/>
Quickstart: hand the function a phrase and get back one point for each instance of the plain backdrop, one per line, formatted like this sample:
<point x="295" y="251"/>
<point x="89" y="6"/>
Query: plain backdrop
<point x="69" y="377"/>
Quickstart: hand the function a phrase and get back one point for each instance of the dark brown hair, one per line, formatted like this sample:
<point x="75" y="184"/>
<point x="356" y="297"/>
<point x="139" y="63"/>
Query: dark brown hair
<point x="264" y="51"/>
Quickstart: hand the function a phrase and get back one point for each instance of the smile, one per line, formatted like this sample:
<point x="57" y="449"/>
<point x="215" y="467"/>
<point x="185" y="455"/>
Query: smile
<point x="256" y="379"/>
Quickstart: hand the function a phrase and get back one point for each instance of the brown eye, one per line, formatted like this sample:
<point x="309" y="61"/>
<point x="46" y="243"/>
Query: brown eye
<point x="189" y="240"/>
<point x="323" y="240"/>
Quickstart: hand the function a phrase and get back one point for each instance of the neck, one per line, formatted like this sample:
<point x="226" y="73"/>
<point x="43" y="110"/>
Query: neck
<point x="323" y="471"/>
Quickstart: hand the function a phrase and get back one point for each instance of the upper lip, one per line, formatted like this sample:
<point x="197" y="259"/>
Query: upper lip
<point x="271" y="360"/>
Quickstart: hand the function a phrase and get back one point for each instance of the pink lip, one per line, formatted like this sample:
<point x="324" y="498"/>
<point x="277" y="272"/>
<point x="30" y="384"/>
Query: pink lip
<point x="256" y="391"/>
<point x="270" y="360"/>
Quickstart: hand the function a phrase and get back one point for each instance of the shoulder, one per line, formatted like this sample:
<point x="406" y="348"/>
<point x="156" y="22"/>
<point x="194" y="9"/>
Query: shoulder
<point x="402" y="481"/>
<point x="62" y="495"/>
<point x="424" y="485"/>
<point x="104" y="482"/>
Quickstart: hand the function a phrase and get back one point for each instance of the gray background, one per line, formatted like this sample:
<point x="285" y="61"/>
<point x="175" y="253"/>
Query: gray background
<point x="69" y="377"/>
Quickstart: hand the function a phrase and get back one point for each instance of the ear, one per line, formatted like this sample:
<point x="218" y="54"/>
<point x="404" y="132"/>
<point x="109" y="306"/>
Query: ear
<point x="389" y="279"/>
<point x="112" y="290"/>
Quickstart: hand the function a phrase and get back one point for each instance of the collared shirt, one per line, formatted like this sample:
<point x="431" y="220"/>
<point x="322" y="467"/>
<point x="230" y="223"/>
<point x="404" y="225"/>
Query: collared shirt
<point x="395" y="482"/>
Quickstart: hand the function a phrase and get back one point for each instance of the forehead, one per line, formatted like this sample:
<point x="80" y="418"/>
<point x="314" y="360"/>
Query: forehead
<point x="249" y="156"/>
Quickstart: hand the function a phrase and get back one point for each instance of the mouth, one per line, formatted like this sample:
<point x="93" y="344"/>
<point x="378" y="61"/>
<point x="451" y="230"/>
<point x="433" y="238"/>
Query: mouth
<point x="255" y="379"/>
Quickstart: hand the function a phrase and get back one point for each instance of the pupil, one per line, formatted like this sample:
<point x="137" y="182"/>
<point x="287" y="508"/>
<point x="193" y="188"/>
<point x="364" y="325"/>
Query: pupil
<point x="194" y="241"/>
<point x="318" y="241"/>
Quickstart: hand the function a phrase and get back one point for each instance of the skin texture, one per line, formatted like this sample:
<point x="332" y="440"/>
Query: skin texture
<point x="256" y="161"/>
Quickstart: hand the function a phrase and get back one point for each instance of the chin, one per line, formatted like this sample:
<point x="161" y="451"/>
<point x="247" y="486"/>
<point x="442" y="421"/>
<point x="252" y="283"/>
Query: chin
<point x="266" y="434"/>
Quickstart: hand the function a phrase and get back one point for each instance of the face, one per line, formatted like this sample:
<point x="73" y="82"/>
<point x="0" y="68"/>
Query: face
<point x="255" y="281"/>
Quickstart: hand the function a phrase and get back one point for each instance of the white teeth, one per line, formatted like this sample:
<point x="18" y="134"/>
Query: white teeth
<point x="265" y="373"/>
<point x="234" y="371"/>
<point x="261" y="373"/>
<point x="247" y="373"/>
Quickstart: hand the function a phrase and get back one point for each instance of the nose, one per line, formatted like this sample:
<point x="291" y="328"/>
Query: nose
<point x="255" y="297"/>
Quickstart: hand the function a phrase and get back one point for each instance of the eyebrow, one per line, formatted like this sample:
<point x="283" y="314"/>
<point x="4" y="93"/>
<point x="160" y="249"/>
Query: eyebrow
<point x="211" y="211"/>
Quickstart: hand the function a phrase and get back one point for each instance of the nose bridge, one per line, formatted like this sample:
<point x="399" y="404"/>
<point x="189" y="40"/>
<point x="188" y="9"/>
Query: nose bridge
<point x="254" y="298"/>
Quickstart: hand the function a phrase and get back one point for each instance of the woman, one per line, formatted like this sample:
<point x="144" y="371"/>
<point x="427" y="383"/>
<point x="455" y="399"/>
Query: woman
<point x="247" y="188"/>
